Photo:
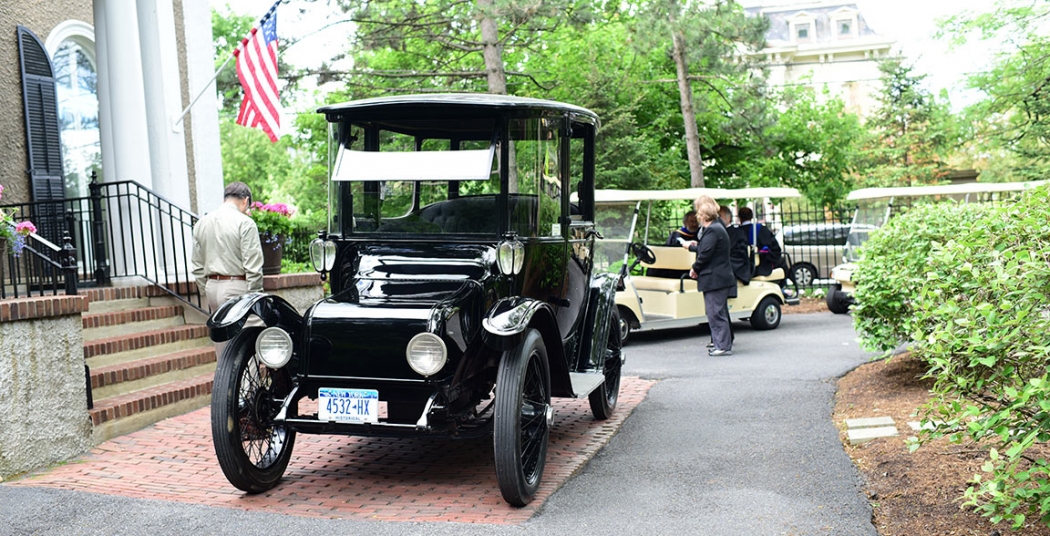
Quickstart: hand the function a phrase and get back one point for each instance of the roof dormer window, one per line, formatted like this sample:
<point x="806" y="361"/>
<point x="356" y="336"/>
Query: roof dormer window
<point x="802" y="27"/>
<point x="844" y="23"/>
<point x="803" y="32"/>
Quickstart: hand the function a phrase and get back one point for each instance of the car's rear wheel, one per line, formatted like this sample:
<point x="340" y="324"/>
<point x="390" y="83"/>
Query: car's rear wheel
<point x="603" y="399"/>
<point x="804" y="274"/>
<point x="252" y="452"/>
<point x="523" y="419"/>
<point x="767" y="314"/>
<point x="837" y="300"/>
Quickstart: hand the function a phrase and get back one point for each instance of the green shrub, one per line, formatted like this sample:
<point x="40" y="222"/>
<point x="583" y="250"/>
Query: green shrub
<point x="893" y="269"/>
<point x="981" y="321"/>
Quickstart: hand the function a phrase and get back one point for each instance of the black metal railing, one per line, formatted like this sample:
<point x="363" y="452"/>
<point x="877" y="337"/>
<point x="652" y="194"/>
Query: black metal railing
<point x="38" y="268"/>
<point x="121" y="230"/>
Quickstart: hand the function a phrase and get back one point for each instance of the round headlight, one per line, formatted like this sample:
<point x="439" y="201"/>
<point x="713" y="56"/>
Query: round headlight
<point x="426" y="354"/>
<point x="274" y="347"/>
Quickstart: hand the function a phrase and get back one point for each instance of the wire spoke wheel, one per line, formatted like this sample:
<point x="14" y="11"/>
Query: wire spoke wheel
<point x="252" y="451"/>
<point x="523" y="419"/>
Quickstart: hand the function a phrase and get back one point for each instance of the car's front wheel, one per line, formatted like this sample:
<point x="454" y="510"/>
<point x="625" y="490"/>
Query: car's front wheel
<point x="767" y="314"/>
<point x="603" y="399"/>
<point x="252" y="452"/>
<point x="523" y="419"/>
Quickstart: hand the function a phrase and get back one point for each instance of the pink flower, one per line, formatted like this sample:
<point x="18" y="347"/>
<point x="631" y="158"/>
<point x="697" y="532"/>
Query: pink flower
<point x="25" y="227"/>
<point x="1" y="190"/>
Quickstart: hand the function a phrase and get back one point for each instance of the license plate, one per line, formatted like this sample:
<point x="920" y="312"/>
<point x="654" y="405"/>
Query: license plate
<point x="348" y="405"/>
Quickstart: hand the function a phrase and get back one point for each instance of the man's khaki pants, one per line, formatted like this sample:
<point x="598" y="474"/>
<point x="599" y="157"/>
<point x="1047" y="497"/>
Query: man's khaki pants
<point x="220" y="290"/>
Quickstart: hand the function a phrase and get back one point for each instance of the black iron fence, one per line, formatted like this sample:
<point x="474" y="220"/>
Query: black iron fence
<point x="811" y="237"/>
<point x="121" y="230"/>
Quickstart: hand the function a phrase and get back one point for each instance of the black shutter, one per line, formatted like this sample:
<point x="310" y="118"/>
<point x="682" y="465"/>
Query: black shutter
<point x="43" y="137"/>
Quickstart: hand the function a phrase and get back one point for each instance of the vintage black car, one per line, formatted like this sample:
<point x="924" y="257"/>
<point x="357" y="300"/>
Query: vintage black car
<point x="463" y="294"/>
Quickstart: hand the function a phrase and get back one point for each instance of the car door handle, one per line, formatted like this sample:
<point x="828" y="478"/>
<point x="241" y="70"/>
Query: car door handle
<point x="593" y="233"/>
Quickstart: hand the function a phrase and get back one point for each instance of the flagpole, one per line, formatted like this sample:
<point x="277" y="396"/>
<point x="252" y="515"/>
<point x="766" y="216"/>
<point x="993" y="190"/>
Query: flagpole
<point x="182" y="116"/>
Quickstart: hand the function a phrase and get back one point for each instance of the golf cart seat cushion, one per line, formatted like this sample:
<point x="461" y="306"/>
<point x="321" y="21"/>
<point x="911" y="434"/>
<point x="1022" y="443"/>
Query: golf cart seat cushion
<point x="673" y="258"/>
<point x="664" y="284"/>
<point x="776" y="275"/>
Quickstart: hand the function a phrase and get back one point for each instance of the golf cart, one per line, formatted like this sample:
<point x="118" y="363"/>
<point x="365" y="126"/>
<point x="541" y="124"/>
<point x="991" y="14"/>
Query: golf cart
<point x="649" y="302"/>
<point x="875" y="207"/>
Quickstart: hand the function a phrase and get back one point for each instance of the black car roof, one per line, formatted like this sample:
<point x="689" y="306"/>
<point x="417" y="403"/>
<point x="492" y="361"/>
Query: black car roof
<point x="450" y="104"/>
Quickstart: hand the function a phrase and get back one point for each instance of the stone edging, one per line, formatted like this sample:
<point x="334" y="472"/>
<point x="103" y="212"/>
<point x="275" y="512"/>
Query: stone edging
<point x="282" y="281"/>
<point x="42" y="307"/>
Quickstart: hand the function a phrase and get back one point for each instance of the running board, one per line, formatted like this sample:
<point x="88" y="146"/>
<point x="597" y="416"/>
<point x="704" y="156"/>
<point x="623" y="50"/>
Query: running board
<point x="583" y="383"/>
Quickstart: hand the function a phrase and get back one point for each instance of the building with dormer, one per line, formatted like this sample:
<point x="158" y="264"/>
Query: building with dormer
<point x="822" y="44"/>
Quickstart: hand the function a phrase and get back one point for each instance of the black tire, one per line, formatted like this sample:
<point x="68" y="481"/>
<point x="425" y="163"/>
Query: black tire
<point x="624" y="322"/>
<point x="523" y="419"/>
<point x="837" y="301"/>
<point x="767" y="314"/>
<point x="803" y="274"/>
<point x="603" y="399"/>
<point x="252" y="452"/>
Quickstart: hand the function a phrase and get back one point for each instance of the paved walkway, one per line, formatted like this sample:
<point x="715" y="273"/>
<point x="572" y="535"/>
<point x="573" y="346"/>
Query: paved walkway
<point x="337" y="476"/>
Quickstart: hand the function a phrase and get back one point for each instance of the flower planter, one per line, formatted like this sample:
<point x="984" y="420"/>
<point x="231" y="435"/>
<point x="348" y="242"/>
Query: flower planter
<point x="273" y="250"/>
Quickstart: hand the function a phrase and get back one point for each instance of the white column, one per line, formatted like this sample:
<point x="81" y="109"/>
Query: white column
<point x="105" y="119"/>
<point x="160" y="67"/>
<point x="204" y="116"/>
<point x="125" y="96"/>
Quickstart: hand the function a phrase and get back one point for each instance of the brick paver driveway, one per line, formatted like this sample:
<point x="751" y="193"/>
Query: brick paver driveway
<point x="338" y="476"/>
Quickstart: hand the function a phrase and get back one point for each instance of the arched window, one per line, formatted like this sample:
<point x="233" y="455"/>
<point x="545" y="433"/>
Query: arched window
<point x="72" y="49"/>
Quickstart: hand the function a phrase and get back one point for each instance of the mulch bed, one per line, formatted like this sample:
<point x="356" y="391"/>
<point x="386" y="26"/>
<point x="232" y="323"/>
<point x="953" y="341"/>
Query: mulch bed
<point x="913" y="494"/>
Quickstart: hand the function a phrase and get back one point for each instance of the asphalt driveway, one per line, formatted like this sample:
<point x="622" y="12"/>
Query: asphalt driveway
<point x="740" y="445"/>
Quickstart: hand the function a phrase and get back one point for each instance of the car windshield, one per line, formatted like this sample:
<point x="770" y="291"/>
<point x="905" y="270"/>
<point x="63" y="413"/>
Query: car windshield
<point x="871" y="214"/>
<point x="615" y="221"/>
<point x="443" y="184"/>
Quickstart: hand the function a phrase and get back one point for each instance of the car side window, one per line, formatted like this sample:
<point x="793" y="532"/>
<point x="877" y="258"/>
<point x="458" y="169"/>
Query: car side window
<point x="535" y="183"/>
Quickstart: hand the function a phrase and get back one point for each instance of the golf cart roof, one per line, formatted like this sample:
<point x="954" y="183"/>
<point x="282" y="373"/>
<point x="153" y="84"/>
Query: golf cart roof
<point x="614" y="196"/>
<point x="945" y="189"/>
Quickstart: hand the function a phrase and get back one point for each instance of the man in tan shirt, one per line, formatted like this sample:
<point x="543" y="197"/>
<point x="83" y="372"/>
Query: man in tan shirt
<point x="227" y="255"/>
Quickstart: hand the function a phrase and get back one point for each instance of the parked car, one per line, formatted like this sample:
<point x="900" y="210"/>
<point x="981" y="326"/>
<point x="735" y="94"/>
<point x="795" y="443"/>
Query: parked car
<point x="875" y="207"/>
<point x="814" y="249"/>
<point x="650" y="302"/>
<point x="463" y="292"/>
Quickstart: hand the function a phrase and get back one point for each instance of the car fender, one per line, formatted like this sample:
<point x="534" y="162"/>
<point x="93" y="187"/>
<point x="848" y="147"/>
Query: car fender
<point x="229" y="319"/>
<point x="507" y="320"/>
<point x="601" y="301"/>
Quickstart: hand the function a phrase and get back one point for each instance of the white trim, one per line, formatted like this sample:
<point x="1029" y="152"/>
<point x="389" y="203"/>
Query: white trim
<point x="80" y="32"/>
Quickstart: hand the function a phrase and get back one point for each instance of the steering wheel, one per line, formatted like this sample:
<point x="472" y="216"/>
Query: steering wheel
<point x="643" y="253"/>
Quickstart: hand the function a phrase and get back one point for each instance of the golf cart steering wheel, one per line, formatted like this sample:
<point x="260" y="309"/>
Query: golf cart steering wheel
<point x="643" y="253"/>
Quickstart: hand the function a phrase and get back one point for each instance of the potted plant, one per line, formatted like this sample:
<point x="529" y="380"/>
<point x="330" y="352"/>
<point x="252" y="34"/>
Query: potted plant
<point x="274" y="221"/>
<point x="13" y="234"/>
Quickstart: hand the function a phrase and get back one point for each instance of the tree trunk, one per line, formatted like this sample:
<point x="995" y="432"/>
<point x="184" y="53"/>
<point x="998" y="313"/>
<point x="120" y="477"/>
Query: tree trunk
<point x="685" y="93"/>
<point x="493" y="54"/>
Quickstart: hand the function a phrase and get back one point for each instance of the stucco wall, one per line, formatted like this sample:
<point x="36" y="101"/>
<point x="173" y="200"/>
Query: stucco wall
<point x="41" y="387"/>
<point x="40" y="16"/>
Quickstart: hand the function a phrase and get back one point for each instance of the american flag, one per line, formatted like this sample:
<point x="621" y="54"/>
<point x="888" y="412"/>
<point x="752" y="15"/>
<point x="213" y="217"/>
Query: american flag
<point x="257" y="71"/>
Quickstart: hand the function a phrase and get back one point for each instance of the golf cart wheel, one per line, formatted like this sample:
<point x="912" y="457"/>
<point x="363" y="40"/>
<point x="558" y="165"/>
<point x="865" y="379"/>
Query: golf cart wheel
<point x="624" y="318"/>
<point x="603" y="399"/>
<point x="523" y="419"/>
<point x="767" y="315"/>
<point x="252" y="452"/>
<point x="837" y="300"/>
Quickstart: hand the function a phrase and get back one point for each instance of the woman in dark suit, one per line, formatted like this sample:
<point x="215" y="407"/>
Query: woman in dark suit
<point x="714" y="275"/>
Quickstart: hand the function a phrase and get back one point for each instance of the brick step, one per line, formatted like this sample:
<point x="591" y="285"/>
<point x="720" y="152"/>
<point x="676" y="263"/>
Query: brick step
<point x="123" y="414"/>
<point x="124" y="378"/>
<point x="115" y="323"/>
<point x="111" y="299"/>
<point x="130" y="347"/>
